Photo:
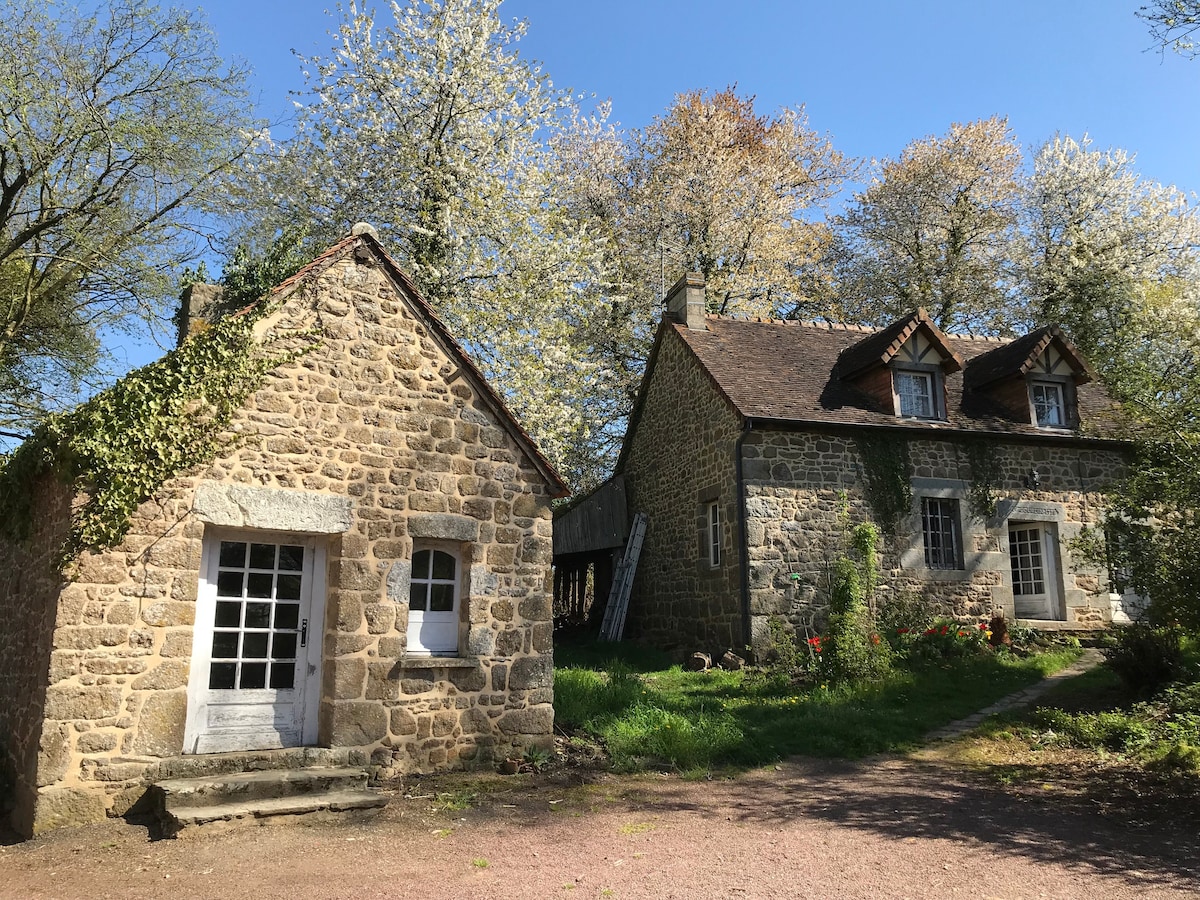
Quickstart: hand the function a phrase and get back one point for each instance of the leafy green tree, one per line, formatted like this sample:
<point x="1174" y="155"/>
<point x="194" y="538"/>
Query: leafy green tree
<point x="936" y="228"/>
<point x="121" y="124"/>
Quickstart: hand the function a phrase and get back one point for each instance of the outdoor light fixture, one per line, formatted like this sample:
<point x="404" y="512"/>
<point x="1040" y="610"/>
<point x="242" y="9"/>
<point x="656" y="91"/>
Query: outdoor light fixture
<point x="1033" y="480"/>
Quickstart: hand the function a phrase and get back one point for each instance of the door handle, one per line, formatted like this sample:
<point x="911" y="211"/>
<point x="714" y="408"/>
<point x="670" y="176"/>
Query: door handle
<point x="304" y="632"/>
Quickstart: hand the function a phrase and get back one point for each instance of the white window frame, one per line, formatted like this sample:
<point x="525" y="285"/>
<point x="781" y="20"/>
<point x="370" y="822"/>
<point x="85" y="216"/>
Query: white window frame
<point x="1060" y="390"/>
<point x="942" y="518"/>
<point x="714" y="534"/>
<point x="440" y="628"/>
<point x="930" y="394"/>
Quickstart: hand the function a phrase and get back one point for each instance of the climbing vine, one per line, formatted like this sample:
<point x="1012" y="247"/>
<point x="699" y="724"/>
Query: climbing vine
<point x="119" y="447"/>
<point x="887" y="472"/>
<point x="987" y="469"/>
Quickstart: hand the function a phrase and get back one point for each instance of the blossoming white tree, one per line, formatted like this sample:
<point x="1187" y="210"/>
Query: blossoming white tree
<point x="433" y="128"/>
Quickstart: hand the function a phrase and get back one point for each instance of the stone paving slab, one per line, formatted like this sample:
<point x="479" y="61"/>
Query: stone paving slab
<point x="1088" y="661"/>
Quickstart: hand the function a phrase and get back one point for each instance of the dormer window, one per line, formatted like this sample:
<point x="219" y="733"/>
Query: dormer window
<point x="1049" y="406"/>
<point x="915" y="397"/>
<point x="903" y="367"/>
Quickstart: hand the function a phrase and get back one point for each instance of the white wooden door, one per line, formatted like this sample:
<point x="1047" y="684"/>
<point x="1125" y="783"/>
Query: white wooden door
<point x="256" y="651"/>
<point x="1032" y="551"/>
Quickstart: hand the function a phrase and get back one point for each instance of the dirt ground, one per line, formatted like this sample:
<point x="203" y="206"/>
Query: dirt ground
<point x="917" y="827"/>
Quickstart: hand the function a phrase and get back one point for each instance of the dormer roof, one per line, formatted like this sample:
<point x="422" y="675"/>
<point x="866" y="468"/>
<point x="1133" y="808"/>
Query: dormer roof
<point x="1020" y="356"/>
<point x="882" y="347"/>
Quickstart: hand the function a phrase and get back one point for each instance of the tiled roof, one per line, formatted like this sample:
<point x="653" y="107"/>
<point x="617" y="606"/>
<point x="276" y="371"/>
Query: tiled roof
<point x="769" y="369"/>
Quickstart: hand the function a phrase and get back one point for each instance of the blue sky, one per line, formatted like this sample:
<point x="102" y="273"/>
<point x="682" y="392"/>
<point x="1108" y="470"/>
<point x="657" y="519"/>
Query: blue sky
<point x="872" y="74"/>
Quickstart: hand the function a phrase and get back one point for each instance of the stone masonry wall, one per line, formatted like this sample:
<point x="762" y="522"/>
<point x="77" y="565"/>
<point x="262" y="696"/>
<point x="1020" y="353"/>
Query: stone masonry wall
<point x="681" y="459"/>
<point x="377" y="418"/>
<point x="29" y="604"/>
<point x="793" y="484"/>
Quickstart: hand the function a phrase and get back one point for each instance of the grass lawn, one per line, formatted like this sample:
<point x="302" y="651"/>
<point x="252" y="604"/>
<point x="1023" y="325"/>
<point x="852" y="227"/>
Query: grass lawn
<point x="650" y="714"/>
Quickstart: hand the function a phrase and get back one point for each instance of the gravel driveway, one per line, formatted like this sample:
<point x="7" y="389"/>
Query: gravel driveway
<point x="888" y="827"/>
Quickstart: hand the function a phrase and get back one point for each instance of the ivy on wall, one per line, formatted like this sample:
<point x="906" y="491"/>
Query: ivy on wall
<point x="987" y="470"/>
<point x="887" y="472"/>
<point x="117" y="449"/>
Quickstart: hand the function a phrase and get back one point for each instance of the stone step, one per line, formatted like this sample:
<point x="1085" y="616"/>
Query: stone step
<point x="338" y="801"/>
<point x="266" y="784"/>
<point x="260" y="796"/>
<point x="190" y="820"/>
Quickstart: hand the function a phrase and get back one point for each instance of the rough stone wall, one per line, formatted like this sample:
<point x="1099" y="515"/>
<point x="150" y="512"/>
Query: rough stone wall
<point x="682" y="458"/>
<point x="376" y="415"/>
<point x="29" y="604"/>
<point x="794" y="483"/>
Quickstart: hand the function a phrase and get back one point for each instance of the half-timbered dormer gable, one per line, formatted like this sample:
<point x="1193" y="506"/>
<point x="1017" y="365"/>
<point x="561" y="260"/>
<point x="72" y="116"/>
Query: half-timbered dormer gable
<point x="1033" y="378"/>
<point x="903" y="367"/>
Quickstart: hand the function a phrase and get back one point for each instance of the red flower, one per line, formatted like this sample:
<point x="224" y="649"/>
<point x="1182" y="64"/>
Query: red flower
<point x="945" y="629"/>
<point x="962" y="634"/>
<point x="931" y="631"/>
<point x="901" y="631"/>
<point x="983" y="626"/>
<point x="874" y="639"/>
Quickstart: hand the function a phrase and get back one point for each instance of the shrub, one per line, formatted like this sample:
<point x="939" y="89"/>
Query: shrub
<point x="1145" y="658"/>
<point x="853" y="650"/>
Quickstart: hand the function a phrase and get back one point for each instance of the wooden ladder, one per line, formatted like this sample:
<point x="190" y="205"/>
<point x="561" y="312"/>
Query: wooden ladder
<point x="613" y="626"/>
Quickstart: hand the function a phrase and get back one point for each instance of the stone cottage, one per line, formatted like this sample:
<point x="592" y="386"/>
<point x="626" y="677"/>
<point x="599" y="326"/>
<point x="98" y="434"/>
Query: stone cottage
<point x="363" y="568"/>
<point x="753" y="442"/>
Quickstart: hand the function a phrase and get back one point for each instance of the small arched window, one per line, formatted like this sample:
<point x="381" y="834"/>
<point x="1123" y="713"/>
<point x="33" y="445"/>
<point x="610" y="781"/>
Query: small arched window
<point x="433" y="602"/>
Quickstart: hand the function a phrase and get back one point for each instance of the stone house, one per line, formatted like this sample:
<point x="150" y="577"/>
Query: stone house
<point x="754" y="442"/>
<point x="362" y="574"/>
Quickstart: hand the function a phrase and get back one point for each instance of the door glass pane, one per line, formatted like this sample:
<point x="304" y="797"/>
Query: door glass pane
<point x="421" y="563"/>
<point x="283" y="646"/>
<point x="258" y="584"/>
<point x="443" y="565"/>
<point x="229" y="615"/>
<point x="229" y="584"/>
<point x="441" y="597"/>
<point x="291" y="558"/>
<point x="287" y="615"/>
<point x="287" y="587"/>
<point x="254" y="675"/>
<point x="283" y="676"/>
<point x="221" y="676"/>
<point x="258" y="615"/>
<point x="254" y="645"/>
<point x="233" y="554"/>
<point x="262" y="556"/>
<point x="418" y="596"/>
<point x="225" y="645"/>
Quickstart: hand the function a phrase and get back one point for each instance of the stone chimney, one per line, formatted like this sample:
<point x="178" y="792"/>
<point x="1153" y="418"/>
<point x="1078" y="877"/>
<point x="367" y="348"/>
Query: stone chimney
<point x="685" y="302"/>
<point x="199" y="303"/>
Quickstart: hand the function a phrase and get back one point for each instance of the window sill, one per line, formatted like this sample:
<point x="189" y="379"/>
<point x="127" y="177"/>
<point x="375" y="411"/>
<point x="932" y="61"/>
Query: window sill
<point x="438" y="662"/>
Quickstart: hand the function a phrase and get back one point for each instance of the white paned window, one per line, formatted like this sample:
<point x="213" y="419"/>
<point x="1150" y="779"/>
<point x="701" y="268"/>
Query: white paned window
<point x="915" y="391"/>
<point x="1049" y="409"/>
<point x="433" y="601"/>
<point x="714" y="534"/>
<point x="942" y="533"/>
